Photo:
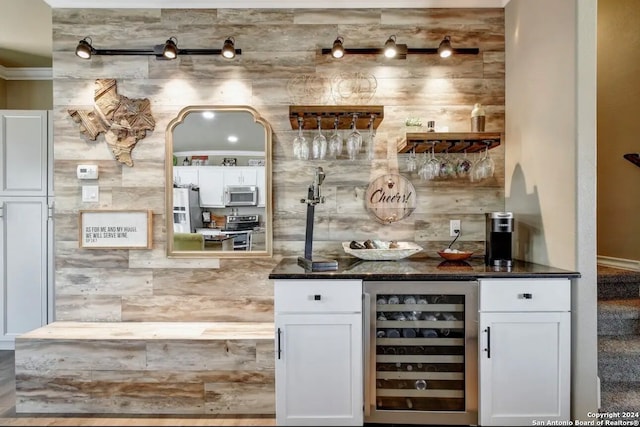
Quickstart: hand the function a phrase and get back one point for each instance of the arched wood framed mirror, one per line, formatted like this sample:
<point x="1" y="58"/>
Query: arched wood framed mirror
<point x="218" y="183"/>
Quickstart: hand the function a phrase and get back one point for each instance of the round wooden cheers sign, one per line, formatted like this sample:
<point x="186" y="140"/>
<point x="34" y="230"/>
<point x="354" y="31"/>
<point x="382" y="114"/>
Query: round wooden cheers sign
<point x="390" y="198"/>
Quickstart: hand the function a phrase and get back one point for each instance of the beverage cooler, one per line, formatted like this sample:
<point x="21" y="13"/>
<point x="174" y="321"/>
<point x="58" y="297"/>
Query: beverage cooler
<point x="421" y="352"/>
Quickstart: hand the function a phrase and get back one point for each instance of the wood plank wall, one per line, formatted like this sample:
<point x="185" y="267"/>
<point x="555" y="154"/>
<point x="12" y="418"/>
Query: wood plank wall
<point x="278" y="46"/>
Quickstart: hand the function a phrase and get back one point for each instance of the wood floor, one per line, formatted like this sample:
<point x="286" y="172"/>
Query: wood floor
<point x="8" y="416"/>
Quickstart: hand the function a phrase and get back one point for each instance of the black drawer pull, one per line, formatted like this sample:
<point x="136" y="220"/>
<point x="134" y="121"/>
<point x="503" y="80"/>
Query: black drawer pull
<point x="317" y="297"/>
<point x="527" y="296"/>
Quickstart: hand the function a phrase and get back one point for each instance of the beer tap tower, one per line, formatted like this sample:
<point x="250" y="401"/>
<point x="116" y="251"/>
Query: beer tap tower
<point x="313" y="198"/>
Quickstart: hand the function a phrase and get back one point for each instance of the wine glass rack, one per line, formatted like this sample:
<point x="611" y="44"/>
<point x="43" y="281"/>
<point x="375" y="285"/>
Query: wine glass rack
<point x="329" y="113"/>
<point x="452" y="142"/>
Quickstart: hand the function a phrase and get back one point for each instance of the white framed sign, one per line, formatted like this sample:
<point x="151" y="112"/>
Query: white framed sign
<point x="115" y="229"/>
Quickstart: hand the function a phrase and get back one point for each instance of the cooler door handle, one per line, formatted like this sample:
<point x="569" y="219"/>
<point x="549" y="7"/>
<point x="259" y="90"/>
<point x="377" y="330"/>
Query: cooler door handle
<point x="278" y="340"/>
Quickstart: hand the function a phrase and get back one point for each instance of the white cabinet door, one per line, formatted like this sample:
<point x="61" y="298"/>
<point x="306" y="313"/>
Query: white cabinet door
<point x="319" y="364"/>
<point x="25" y="229"/>
<point x="185" y="175"/>
<point x="524" y="367"/>
<point x="24" y="158"/>
<point x="211" y="186"/>
<point x="319" y="369"/>
<point x="240" y="175"/>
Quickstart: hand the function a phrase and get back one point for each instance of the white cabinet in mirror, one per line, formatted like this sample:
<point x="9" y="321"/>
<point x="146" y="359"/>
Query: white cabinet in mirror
<point x="218" y="169"/>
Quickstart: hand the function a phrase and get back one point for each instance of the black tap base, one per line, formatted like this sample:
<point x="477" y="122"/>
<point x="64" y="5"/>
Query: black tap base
<point x="318" y="264"/>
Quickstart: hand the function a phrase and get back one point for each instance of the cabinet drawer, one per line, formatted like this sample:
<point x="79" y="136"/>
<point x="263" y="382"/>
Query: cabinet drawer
<point x="318" y="296"/>
<point x="525" y="295"/>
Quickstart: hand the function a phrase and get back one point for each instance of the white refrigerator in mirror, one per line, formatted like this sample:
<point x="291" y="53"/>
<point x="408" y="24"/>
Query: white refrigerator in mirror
<point x="187" y="214"/>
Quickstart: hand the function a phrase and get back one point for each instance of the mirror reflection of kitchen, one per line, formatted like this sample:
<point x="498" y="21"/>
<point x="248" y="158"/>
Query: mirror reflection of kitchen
<point x="219" y="182"/>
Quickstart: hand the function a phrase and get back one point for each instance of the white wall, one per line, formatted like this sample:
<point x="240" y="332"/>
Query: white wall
<point x="550" y="155"/>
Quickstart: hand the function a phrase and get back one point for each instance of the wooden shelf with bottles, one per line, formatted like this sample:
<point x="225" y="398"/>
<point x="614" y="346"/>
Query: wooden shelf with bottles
<point x="452" y="142"/>
<point x="330" y="113"/>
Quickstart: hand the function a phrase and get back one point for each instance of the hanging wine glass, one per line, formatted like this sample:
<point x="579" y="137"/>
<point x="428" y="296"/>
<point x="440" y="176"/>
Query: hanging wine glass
<point x="447" y="168"/>
<point x="354" y="141"/>
<point x="411" y="160"/>
<point x="371" y="147"/>
<point x="300" y="143"/>
<point x="423" y="171"/>
<point x="463" y="167"/>
<point x="335" y="142"/>
<point x="433" y="168"/>
<point x="319" y="143"/>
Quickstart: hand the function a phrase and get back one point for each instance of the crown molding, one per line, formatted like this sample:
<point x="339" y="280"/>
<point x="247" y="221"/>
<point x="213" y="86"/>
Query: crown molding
<point x="26" y="73"/>
<point x="271" y="4"/>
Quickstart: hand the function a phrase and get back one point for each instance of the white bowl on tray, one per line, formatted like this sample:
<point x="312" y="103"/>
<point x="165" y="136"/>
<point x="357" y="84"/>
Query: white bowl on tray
<point x="403" y="250"/>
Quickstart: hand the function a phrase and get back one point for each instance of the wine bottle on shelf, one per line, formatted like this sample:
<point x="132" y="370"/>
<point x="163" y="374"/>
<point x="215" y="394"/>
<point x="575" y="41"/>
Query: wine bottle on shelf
<point x="421" y="385"/>
<point x="381" y="300"/>
<point x="393" y="333"/>
<point x="399" y="316"/>
<point x="429" y="316"/>
<point x="409" y="333"/>
<point x="394" y="299"/>
<point x="409" y="299"/>
<point x="381" y="316"/>
<point x="380" y="333"/>
<point x="428" y="333"/>
<point x="422" y="300"/>
<point x="412" y="315"/>
<point x="450" y="317"/>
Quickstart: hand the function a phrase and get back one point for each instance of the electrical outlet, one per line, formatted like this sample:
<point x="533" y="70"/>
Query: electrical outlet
<point x="454" y="225"/>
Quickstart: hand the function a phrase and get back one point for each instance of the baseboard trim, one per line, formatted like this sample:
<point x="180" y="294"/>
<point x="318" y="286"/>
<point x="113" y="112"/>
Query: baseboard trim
<point x="625" y="264"/>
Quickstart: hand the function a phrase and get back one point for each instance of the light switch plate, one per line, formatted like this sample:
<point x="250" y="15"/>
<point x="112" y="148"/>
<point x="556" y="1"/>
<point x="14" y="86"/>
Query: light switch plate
<point x="90" y="193"/>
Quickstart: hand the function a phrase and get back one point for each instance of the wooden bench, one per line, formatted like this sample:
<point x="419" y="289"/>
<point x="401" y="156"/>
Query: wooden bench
<point x="146" y="367"/>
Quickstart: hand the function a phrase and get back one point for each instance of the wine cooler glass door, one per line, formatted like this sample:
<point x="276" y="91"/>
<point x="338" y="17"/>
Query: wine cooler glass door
<point x="422" y="352"/>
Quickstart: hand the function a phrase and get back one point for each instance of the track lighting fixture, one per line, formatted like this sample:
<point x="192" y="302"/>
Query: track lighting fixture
<point x="395" y="50"/>
<point x="228" y="49"/>
<point x="337" y="51"/>
<point x="170" y="50"/>
<point x="445" y="50"/>
<point x="390" y="47"/>
<point x="84" y="49"/>
<point x="167" y="50"/>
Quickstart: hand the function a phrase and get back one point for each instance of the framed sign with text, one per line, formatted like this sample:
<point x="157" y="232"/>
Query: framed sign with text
<point x="115" y="229"/>
<point x="390" y="198"/>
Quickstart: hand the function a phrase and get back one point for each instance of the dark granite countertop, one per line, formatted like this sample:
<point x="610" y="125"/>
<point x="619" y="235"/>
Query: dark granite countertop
<point x="418" y="269"/>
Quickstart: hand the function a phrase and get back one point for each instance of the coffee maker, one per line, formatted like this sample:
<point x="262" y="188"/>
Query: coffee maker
<point x="498" y="239"/>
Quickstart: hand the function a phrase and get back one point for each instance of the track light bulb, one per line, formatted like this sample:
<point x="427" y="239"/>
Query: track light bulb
<point x="170" y="50"/>
<point x="390" y="47"/>
<point x="84" y="49"/>
<point x="337" y="51"/>
<point x="228" y="48"/>
<point x="445" y="50"/>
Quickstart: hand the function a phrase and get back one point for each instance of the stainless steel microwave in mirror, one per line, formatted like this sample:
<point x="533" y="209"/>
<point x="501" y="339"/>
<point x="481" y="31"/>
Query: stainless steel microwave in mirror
<point x="210" y="151"/>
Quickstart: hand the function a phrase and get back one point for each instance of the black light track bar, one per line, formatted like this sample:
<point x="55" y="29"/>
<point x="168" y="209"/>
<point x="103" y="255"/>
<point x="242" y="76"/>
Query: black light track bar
<point x="417" y="51"/>
<point x="157" y="52"/>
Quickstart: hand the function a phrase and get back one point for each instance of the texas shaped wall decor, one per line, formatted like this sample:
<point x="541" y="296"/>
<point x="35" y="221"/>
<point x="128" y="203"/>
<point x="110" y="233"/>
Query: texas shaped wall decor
<point x="124" y="121"/>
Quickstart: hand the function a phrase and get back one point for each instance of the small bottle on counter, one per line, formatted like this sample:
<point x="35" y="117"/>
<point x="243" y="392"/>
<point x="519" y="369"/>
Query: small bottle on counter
<point x="431" y="126"/>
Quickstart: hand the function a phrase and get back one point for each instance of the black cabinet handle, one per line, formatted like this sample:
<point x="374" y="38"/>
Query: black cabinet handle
<point x="317" y="297"/>
<point x="527" y="296"/>
<point x="279" y="349"/>
<point x="488" y="349"/>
